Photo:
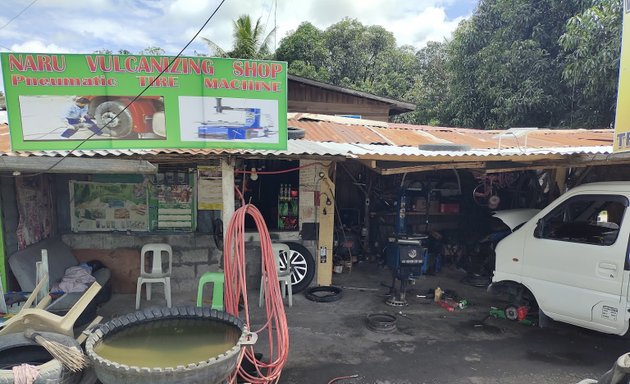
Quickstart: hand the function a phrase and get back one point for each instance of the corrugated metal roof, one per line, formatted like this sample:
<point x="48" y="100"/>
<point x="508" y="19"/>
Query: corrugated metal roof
<point x="324" y="128"/>
<point x="356" y="138"/>
<point x="373" y="151"/>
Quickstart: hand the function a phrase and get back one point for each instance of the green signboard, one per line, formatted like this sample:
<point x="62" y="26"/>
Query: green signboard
<point x="59" y="101"/>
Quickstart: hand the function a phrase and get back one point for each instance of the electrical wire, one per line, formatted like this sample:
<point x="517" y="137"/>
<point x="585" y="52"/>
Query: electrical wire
<point x="276" y="327"/>
<point x="278" y="172"/>
<point x="136" y="97"/>
<point x="18" y="14"/>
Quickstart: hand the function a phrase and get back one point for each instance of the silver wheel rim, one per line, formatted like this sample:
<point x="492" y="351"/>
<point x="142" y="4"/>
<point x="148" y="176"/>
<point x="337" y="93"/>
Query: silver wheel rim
<point x="299" y="267"/>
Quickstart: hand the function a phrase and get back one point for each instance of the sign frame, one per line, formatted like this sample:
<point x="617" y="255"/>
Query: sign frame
<point x="100" y="101"/>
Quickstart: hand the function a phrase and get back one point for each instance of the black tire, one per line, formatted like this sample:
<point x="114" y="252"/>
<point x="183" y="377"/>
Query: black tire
<point x="295" y="133"/>
<point x="324" y="294"/>
<point x="16" y="349"/>
<point x="121" y="122"/>
<point x="381" y="322"/>
<point x="302" y="266"/>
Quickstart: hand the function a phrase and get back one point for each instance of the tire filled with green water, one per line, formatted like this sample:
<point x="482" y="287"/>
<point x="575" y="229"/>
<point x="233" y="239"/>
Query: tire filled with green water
<point x="167" y="345"/>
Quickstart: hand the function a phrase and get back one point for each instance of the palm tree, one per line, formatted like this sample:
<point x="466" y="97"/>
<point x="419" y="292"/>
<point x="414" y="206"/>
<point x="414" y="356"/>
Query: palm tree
<point x="248" y="41"/>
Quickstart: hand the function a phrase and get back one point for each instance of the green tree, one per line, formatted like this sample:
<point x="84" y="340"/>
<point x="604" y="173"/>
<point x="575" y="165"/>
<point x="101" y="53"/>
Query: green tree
<point x="506" y="64"/>
<point x="249" y="42"/>
<point x="306" y="44"/>
<point x="429" y="90"/>
<point x="356" y="52"/>
<point x="394" y="74"/>
<point x="593" y="42"/>
<point x="352" y="55"/>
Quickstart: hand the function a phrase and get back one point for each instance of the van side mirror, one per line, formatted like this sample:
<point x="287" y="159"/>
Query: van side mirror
<point x="538" y="231"/>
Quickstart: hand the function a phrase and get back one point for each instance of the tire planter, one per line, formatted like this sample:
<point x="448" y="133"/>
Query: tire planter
<point x="213" y="370"/>
<point x="302" y="266"/>
<point x="113" y="116"/>
<point x="16" y="349"/>
<point x="324" y="294"/>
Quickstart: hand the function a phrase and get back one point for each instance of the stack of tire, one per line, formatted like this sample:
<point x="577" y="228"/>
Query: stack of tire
<point x="17" y="349"/>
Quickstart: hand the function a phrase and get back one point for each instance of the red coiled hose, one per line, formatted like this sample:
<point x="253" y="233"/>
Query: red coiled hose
<point x="236" y="289"/>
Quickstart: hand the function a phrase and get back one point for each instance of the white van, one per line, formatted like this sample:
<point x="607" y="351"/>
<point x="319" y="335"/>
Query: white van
<point x="572" y="258"/>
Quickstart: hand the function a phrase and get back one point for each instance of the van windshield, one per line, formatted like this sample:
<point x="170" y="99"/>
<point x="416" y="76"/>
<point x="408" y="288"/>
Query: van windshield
<point x="592" y="219"/>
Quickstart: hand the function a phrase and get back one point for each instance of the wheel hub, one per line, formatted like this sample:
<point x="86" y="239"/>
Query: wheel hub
<point x="111" y="119"/>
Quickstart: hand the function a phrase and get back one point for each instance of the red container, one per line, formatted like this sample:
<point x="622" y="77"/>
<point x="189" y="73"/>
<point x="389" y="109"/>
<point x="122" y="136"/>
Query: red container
<point x="449" y="208"/>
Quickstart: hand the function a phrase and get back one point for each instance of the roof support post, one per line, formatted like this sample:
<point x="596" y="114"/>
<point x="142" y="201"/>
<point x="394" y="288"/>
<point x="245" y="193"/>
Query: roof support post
<point x="227" y="188"/>
<point x="326" y="209"/>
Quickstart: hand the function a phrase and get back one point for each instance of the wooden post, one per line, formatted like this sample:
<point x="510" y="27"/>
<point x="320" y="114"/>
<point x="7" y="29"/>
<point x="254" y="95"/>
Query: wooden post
<point x="561" y="180"/>
<point x="324" y="253"/>
<point x="227" y="187"/>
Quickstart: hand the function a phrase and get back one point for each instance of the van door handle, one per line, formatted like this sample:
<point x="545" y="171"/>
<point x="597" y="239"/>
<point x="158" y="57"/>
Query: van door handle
<point x="610" y="266"/>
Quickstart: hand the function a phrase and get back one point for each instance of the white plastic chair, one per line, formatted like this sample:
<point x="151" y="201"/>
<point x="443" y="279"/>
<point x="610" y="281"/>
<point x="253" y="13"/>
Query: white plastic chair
<point x="157" y="274"/>
<point x="39" y="319"/>
<point x="284" y="277"/>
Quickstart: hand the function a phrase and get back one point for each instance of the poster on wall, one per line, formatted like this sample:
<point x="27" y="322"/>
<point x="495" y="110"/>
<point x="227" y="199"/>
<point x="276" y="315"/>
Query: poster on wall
<point x="56" y="101"/>
<point x="210" y="189"/>
<point x="622" y="117"/>
<point x="108" y="206"/>
<point x="175" y="201"/>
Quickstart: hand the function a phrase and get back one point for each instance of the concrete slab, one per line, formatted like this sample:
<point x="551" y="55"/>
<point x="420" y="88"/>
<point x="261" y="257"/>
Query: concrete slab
<point x="431" y="345"/>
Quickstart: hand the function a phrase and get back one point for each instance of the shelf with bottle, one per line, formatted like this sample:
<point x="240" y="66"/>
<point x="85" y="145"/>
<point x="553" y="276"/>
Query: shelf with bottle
<point x="288" y="208"/>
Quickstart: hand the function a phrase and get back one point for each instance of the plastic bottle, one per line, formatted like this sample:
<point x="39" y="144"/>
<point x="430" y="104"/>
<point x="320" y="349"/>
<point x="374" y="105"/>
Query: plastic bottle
<point x="438" y="294"/>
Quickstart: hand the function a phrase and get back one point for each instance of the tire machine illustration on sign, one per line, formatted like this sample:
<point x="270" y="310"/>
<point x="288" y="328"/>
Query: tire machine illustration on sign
<point x="235" y="129"/>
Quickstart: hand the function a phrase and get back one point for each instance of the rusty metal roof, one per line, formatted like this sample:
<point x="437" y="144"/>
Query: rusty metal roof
<point x="357" y="138"/>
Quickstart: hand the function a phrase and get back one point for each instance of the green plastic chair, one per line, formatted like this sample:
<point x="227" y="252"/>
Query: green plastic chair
<point x="217" y="279"/>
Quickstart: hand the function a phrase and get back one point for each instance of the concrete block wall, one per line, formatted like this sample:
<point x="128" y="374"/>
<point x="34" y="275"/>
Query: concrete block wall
<point x="193" y="255"/>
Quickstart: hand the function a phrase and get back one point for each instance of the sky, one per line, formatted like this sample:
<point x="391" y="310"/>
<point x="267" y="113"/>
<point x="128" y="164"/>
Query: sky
<point x="83" y="26"/>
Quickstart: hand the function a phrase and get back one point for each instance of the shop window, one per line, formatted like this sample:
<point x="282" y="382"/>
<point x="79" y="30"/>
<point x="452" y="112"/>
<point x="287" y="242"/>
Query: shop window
<point x="274" y="190"/>
<point x="589" y="219"/>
